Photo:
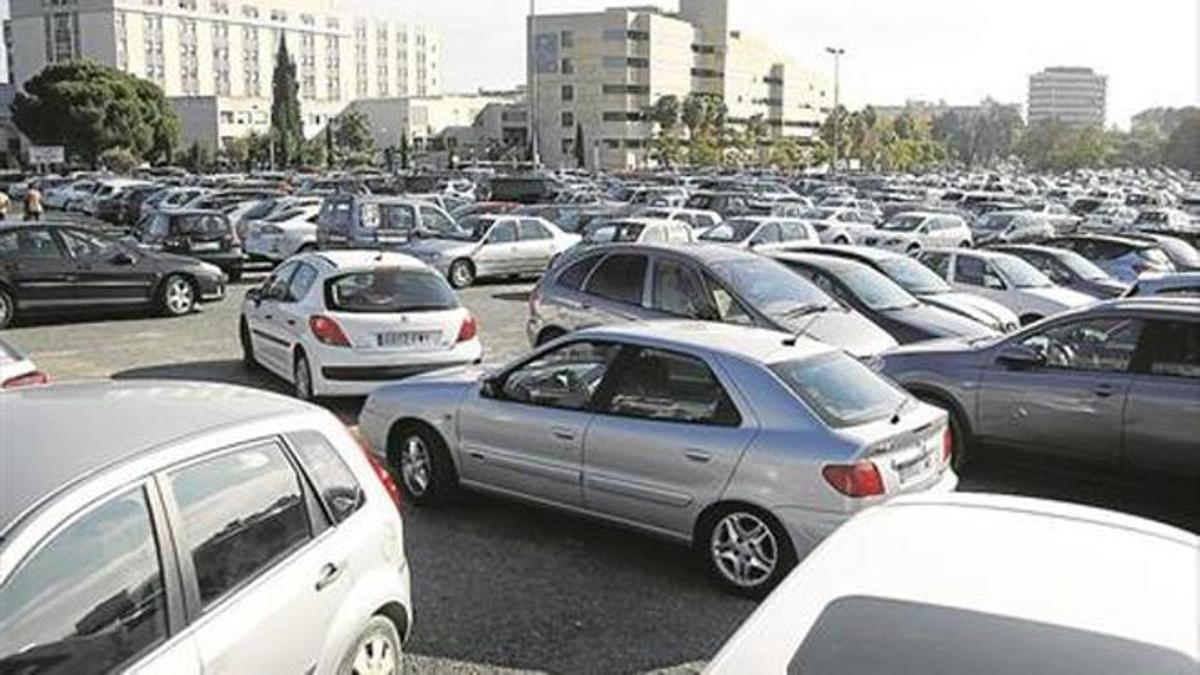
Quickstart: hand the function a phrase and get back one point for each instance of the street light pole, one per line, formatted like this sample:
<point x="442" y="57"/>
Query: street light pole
<point x="837" y="53"/>
<point x="533" y="68"/>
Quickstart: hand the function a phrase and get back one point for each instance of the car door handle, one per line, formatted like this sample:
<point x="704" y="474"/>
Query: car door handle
<point x="291" y="322"/>
<point x="563" y="434"/>
<point x="697" y="456"/>
<point x="1105" y="390"/>
<point x="329" y="574"/>
<point x="268" y="317"/>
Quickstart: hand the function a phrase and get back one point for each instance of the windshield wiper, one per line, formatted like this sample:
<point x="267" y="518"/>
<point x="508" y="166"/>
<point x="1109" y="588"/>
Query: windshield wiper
<point x="815" y="311"/>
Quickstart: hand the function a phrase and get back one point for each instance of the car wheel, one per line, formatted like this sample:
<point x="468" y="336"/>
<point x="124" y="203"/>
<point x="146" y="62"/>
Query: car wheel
<point x="549" y="335"/>
<point x="746" y="549"/>
<point x="913" y="251"/>
<point x="842" y="241"/>
<point x="964" y="244"/>
<point x="302" y="384"/>
<point x="234" y="274"/>
<point x="247" y="346"/>
<point x="8" y="308"/>
<point x="178" y="296"/>
<point x="376" y="651"/>
<point x="462" y="273"/>
<point x="307" y="248"/>
<point x="426" y="470"/>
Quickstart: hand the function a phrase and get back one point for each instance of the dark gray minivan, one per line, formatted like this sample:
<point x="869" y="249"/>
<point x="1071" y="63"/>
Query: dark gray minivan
<point x="359" y="221"/>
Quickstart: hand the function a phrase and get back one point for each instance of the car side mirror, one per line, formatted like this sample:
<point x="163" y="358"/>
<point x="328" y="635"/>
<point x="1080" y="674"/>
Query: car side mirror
<point x="254" y="295"/>
<point x="1020" y="357"/>
<point x="491" y="387"/>
<point x="122" y="258"/>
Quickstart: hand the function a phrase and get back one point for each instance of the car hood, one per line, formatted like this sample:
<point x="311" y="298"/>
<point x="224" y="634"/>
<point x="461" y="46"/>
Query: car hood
<point x="1063" y="296"/>
<point x="444" y="247"/>
<point x="176" y="261"/>
<point x="844" y="329"/>
<point x="938" y="322"/>
<point x="974" y="307"/>
<point x="1102" y="288"/>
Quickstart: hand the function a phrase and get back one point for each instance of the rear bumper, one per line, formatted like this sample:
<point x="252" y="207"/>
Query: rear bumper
<point x="337" y="372"/>
<point x="382" y="373"/>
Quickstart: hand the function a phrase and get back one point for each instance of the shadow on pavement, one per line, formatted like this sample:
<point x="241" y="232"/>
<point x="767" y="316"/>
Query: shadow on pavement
<point x="516" y="296"/>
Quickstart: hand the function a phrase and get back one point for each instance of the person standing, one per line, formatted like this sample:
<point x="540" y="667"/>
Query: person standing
<point x="33" y="203"/>
<point x="4" y="204"/>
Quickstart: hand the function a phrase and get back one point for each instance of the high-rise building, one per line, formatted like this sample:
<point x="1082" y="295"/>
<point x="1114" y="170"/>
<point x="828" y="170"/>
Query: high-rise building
<point x="1073" y="96"/>
<point x="603" y="72"/>
<point x="214" y="58"/>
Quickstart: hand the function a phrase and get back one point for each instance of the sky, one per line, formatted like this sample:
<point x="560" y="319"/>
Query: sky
<point x="954" y="50"/>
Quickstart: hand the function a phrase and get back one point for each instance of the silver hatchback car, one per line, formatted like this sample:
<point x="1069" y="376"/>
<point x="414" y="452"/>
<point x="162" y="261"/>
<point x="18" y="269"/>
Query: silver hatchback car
<point x="494" y="245"/>
<point x="749" y="444"/>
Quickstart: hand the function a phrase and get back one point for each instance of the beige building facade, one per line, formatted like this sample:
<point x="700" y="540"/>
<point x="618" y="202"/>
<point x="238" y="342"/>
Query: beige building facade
<point x="1074" y="96"/>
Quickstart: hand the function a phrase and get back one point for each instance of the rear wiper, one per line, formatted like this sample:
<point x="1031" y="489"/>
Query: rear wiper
<point x="900" y="408"/>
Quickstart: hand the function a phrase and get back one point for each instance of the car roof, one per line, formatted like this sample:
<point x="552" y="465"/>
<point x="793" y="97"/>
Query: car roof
<point x="756" y="344"/>
<point x="1031" y="560"/>
<point x="820" y="259"/>
<point x="55" y="435"/>
<point x="347" y="259"/>
<point x="1110" y="238"/>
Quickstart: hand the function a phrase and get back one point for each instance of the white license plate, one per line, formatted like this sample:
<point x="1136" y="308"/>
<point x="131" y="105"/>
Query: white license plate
<point x="206" y="246"/>
<point x="409" y="339"/>
<point x="916" y="468"/>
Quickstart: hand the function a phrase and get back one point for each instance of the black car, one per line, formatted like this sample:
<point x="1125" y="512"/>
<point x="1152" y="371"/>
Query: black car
<point x="63" y="267"/>
<point x="1068" y="268"/>
<point x="204" y="235"/>
<point x="881" y="300"/>
<point x="524" y="189"/>
<point x="728" y="204"/>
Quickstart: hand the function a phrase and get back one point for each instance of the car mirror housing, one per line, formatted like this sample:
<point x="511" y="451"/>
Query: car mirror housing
<point x="254" y="295"/>
<point x="491" y="386"/>
<point x="122" y="258"/>
<point x="1020" y="357"/>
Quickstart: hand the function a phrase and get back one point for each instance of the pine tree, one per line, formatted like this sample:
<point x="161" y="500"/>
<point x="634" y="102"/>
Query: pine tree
<point x="403" y="151"/>
<point x="580" y="150"/>
<point x="287" y="132"/>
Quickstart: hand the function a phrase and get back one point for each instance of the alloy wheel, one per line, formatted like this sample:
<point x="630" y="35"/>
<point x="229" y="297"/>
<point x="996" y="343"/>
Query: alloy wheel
<point x="376" y="655"/>
<point x="415" y="466"/>
<point x="6" y="310"/>
<point x="744" y="549"/>
<point x="180" y="296"/>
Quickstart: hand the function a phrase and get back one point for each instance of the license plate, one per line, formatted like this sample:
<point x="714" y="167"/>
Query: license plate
<point x="409" y="339"/>
<point x="915" y="468"/>
<point x="206" y="246"/>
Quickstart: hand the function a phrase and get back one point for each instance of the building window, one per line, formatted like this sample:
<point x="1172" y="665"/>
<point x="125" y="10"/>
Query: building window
<point x="568" y="146"/>
<point x="568" y="119"/>
<point x="568" y="67"/>
<point x="189" y="62"/>
<point x="333" y="68"/>
<point x="568" y="92"/>
<point x="625" y="89"/>
<point x="568" y="39"/>
<point x="279" y="16"/>
<point x="220" y="44"/>
<point x="120" y="20"/>
<point x="152" y="28"/>
<point x="62" y="36"/>
<point x="250" y="69"/>
<point x="189" y="5"/>
<point x="249" y="12"/>
<point x="220" y="6"/>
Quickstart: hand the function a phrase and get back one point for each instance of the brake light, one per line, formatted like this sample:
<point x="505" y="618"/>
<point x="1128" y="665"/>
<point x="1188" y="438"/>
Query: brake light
<point x="327" y="331"/>
<point x="26" y="380"/>
<point x="947" y="445"/>
<point x="469" y="329"/>
<point x="860" y="479"/>
<point x="381" y="472"/>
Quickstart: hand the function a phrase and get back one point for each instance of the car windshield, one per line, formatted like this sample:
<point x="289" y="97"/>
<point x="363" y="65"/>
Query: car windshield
<point x="730" y="231"/>
<point x="474" y="228"/>
<point x="1020" y="273"/>
<point x="997" y="221"/>
<point x="840" y="390"/>
<point x="875" y="290"/>
<point x="913" y="276"/>
<point x="773" y="289"/>
<point x="903" y="223"/>
<point x="389" y="289"/>
<point x="1080" y="265"/>
<point x="286" y="214"/>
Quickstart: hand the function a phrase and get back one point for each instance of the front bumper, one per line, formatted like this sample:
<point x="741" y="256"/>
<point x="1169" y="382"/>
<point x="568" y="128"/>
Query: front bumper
<point x="211" y="289"/>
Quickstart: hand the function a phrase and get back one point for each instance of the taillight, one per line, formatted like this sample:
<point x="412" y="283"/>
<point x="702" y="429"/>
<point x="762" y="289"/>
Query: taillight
<point x="860" y="479"/>
<point x="26" y="380"/>
<point x="327" y="331"/>
<point x="381" y="472"/>
<point x="947" y="445"/>
<point x="469" y="329"/>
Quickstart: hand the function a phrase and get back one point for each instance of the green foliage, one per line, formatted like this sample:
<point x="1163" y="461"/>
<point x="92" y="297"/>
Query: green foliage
<point x="1183" y="147"/>
<point x="352" y="134"/>
<point x="666" y="113"/>
<point x="236" y="154"/>
<point x="119" y="160"/>
<point x="197" y="158"/>
<point x="287" y="130"/>
<point x="985" y="137"/>
<point x="90" y="108"/>
<point x="1054" y="146"/>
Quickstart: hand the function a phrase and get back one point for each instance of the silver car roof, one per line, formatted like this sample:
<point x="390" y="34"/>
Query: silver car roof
<point x="756" y="344"/>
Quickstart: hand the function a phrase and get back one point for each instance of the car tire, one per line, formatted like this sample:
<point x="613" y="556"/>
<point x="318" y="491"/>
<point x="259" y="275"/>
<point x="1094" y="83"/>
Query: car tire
<point x="177" y="296"/>
<point x="745" y="549"/>
<point x="377" y="649"/>
<point x="461" y="273"/>
<point x="1030" y="319"/>
<point x="307" y="248"/>
<point x="420" y="457"/>
<point x="841" y="241"/>
<point x="964" y="244"/>
<point x="248" y="361"/>
<point x="302" y="383"/>
<point x="549" y="335"/>
<point x="8" y="308"/>
<point x="234" y="274"/>
<point x="912" y="251"/>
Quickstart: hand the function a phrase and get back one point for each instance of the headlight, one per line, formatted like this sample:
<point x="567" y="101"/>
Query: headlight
<point x="270" y="230"/>
<point x="211" y="270"/>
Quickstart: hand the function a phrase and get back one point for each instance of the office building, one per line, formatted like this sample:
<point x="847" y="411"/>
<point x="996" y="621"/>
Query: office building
<point x="1073" y="96"/>
<point x="603" y="72"/>
<point x="214" y="58"/>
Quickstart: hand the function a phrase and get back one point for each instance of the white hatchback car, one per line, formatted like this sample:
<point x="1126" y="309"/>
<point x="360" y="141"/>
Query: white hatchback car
<point x="913" y="231"/>
<point x="983" y="584"/>
<point x="1006" y="279"/>
<point x="343" y="323"/>
<point x="192" y="528"/>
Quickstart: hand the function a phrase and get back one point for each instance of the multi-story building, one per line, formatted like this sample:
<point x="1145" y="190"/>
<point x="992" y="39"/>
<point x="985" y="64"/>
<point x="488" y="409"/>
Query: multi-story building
<point x="214" y="58"/>
<point x="421" y="118"/>
<point x="1073" y="96"/>
<point x="599" y="74"/>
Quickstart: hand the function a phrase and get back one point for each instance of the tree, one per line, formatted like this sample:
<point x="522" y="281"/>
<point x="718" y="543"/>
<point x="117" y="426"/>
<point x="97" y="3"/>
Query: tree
<point x="236" y="154"/>
<point x="579" y="147"/>
<point x="118" y="160"/>
<point x="404" y="150"/>
<point x="666" y="113"/>
<point x="287" y="131"/>
<point x="1183" y="147"/>
<point x="352" y="133"/>
<point x="197" y="158"/>
<point x="89" y="108"/>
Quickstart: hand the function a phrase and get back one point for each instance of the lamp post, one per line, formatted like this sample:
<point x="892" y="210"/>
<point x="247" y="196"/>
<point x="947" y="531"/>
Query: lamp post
<point x="837" y="53"/>
<point x="533" y="69"/>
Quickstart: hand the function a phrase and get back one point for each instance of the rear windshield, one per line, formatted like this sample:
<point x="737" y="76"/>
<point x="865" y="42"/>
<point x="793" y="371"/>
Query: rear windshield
<point x="839" y="389"/>
<point x="200" y="225"/>
<point x="389" y="289"/>
<point x="731" y="231"/>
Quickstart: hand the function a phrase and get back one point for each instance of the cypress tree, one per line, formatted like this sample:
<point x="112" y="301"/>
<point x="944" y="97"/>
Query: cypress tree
<point x="287" y="131"/>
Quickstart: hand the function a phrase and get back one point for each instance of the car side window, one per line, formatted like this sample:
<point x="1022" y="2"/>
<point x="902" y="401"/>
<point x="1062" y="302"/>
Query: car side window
<point x="504" y="232"/>
<point x="767" y="234"/>
<point x="794" y="232"/>
<point x="1103" y="345"/>
<point x="938" y="262"/>
<point x="240" y="513"/>
<point x="276" y="286"/>
<point x="337" y="488"/>
<point x="654" y="235"/>
<point x="91" y="599"/>
<point x="679" y="291"/>
<point x="532" y="230"/>
<point x="566" y="377"/>
<point x="301" y="282"/>
<point x="619" y="278"/>
<point x="575" y="274"/>
<point x="729" y="309"/>
<point x="35" y="243"/>
<point x="82" y="244"/>
<point x="1173" y="348"/>
<point x="435" y="220"/>
<point x="659" y="385"/>
<point x="970" y="270"/>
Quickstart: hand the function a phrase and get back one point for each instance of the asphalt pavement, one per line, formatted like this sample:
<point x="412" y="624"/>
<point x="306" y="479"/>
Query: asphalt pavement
<point x="501" y="585"/>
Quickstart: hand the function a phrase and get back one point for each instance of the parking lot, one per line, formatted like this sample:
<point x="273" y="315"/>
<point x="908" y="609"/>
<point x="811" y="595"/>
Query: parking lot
<point x="499" y="585"/>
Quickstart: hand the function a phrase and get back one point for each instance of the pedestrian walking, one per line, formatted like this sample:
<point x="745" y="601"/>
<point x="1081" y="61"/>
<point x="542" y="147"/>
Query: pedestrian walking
<point x="33" y="204"/>
<point x="4" y="204"/>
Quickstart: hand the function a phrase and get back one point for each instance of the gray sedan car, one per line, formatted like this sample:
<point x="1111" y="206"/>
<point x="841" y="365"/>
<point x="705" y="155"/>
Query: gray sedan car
<point x="749" y="444"/>
<point x="1111" y="385"/>
<point x="492" y="246"/>
<point x="707" y="282"/>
